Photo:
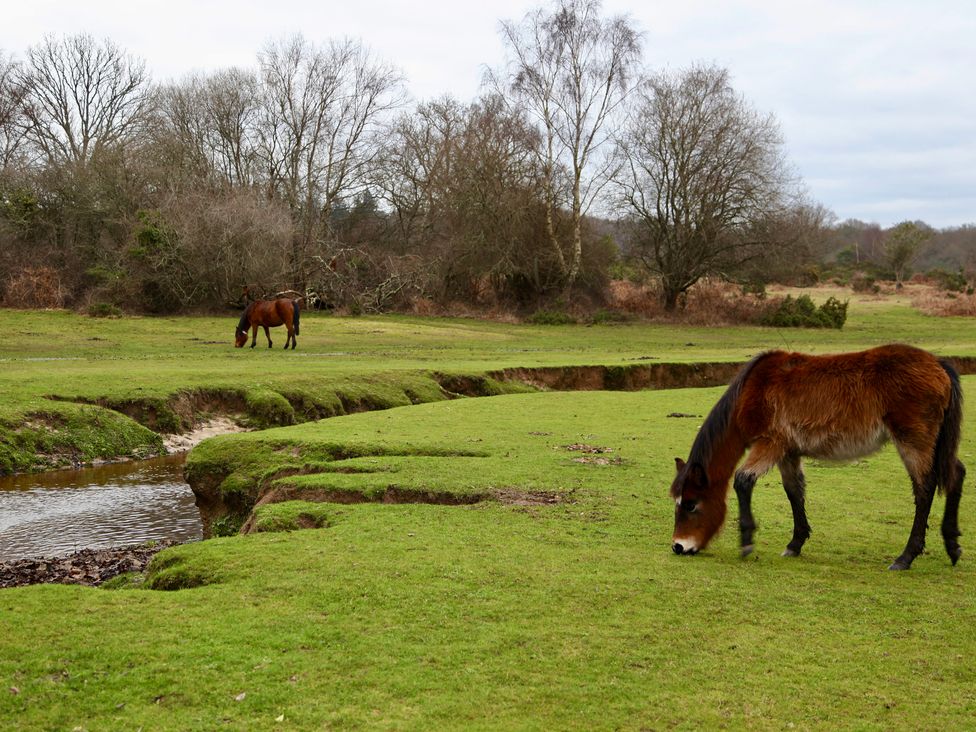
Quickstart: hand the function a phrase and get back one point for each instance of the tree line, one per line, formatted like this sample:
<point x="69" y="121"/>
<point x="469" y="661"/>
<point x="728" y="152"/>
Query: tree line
<point x="312" y="171"/>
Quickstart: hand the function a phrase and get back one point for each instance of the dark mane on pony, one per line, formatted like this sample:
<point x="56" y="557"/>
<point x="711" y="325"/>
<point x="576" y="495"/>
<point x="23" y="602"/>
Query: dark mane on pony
<point x="244" y="322"/>
<point x="718" y="420"/>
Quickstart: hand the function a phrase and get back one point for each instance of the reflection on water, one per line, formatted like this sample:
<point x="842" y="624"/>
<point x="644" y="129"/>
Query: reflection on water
<point x="48" y="514"/>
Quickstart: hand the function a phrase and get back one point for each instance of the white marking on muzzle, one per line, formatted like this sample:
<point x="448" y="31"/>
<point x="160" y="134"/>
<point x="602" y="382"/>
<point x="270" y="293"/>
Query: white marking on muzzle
<point x="689" y="544"/>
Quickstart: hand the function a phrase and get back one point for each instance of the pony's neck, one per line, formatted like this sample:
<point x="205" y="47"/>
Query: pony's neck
<point x="726" y="453"/>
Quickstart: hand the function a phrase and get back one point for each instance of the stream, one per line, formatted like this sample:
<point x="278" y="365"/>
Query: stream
<point x="59" y="512"/>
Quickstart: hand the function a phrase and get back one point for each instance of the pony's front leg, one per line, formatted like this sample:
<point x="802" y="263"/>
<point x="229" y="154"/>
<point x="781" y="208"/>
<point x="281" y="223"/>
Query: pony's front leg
<point x="743" y="484"/>
<point x="267" y="334"/>
<point x="762" y="456"/>
<point x="794" y="483"/>
<point x="254" y="336"/>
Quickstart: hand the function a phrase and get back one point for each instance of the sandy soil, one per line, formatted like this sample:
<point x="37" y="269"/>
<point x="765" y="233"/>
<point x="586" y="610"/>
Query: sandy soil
<point x="210" y="428"/>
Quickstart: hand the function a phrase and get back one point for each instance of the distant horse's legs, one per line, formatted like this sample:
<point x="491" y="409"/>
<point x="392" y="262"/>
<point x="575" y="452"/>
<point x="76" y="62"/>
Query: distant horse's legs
<point x="744" y="483"/>
<point x="291" y="336"/>
<point x="795" y="485"/>
<point x="950" y="519"/>
<point x="267" y="334"/>
<point x="254" y="335"/>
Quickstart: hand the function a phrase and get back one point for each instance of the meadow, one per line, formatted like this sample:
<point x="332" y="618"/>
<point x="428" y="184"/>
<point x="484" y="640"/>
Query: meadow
<point x="506" y="562"/>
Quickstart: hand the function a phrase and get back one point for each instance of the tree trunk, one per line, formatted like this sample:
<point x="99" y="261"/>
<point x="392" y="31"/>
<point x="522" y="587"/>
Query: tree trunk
<point x="670" y="298"/>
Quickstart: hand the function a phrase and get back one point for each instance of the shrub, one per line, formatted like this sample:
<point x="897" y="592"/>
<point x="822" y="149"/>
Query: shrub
<point x="104" y="310"/>
<point x="803" y="313"/>
<point x="601" y="317"/>
<point x="948" y="281"/>
<point x="551" y="317"/>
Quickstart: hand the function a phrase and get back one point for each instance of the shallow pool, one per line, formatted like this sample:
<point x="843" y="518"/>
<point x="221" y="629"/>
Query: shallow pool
<point x="54" y="513"/>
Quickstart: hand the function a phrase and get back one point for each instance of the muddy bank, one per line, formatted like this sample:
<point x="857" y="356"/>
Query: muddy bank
<point x="89" y="567"/>
<point x="186" y="441"/>
<point x="631" y="377"/>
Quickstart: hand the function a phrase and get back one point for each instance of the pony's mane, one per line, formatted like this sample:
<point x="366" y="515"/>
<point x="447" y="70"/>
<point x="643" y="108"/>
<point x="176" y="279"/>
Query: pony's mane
<point x="717" y="422"/>
<point x="244" y="322"/>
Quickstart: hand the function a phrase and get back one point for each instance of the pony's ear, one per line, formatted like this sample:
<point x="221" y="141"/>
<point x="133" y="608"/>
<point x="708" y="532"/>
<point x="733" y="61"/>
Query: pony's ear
<point x="697" y="477"/>
<point x="679" y="464"/>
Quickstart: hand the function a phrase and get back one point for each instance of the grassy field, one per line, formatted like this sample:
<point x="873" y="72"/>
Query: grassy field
<point x="168" y="372"/>
<point x="547" y="598"/>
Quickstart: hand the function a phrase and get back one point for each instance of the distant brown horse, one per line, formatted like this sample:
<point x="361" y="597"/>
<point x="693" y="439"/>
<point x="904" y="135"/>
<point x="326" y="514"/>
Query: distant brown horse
<point x="782" y="406"/>
<point x="269" y="314"/>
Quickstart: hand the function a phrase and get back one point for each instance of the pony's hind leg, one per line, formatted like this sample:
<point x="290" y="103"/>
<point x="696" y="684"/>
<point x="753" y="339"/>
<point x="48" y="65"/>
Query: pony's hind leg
<point x="916" y="449"/>
<point x="950" y="519"/>
<point x="916" y="540"/>
<point x="794" y="483"/>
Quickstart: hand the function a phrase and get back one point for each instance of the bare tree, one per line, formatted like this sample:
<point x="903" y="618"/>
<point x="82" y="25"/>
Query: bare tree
<point x="322" y="108"/>
<point x="208" y="127"/>
<point x="702" y="176"/>
<point x="571" y="70"/>
<point x="11" y="114"/>
<point x="81" y="97"/>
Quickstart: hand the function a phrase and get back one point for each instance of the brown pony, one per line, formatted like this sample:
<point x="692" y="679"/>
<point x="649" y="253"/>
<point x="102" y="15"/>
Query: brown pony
<point x="269" y="314"/>
<point x="782" y="406"/>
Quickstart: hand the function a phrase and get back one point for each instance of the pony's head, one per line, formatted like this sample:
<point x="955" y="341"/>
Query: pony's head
<point x="699" y="509"/>
<point x="240" y="333"/>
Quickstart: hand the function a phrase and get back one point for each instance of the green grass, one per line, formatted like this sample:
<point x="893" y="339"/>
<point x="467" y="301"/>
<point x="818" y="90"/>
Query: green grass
<point x="498" y="614"/>
<point x="164" y="372"/>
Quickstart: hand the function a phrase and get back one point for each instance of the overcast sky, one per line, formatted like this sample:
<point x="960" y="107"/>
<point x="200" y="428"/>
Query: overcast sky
<point x="876" y="98"/>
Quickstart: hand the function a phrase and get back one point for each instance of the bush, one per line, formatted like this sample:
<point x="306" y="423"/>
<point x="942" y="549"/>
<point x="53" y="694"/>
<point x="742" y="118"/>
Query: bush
<point x="551" y="317"/>
<point x="601" y="317"/>
<point x="803" y="313"/>
<point x="104" y="310"/>
<point x="948" y="281"/>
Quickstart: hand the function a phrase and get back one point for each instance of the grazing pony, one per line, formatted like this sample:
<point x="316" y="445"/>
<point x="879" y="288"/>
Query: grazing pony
<point x="782" y="406"/>
<point x="269" y="314"/>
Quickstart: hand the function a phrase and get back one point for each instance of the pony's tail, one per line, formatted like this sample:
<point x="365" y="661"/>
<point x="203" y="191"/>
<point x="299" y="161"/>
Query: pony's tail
<point x="296" y="305"/>
<point x="947" y="444"/>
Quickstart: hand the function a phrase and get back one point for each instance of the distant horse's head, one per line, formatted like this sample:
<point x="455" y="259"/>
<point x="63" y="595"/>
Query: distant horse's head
<point x="699" y="510"/>
<point x="240" y="333"/>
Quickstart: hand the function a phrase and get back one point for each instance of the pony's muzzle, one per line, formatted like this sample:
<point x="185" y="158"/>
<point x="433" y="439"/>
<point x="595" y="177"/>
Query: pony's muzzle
<point x="679" y="548"/>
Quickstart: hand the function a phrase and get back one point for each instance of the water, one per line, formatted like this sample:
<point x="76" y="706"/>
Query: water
<point x="55" y="513"/>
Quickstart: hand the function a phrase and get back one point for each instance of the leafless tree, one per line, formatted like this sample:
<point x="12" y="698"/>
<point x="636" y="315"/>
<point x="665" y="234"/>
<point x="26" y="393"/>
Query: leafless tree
<point x="702" y="176"/>
<point x="571" y="70"/>
<point x="11" y="114"/>
<point x="322" y="109"/>
<point x="81" y="97"/>
<point x="208" y="128"/>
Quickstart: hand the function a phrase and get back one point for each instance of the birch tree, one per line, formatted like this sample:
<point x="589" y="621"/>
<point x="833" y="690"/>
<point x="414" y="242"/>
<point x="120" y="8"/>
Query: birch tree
<point x="571" y="70"/>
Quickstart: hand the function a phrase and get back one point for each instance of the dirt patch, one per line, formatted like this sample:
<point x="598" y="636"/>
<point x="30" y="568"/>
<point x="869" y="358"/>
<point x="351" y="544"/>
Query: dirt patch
<point x="591" y="460"/>
<point x="210" y="428"/>
<point x="516" y="497"/>
<point x="86" y="567"/>
<point x="589" y="449"/>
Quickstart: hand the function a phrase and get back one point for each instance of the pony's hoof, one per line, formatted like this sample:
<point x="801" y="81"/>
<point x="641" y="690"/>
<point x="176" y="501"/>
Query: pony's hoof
<point x="899" y="564"/>
<point x="955" y="554"/>
<point x="787" y="552"/>
<point x="747" y="550"/>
